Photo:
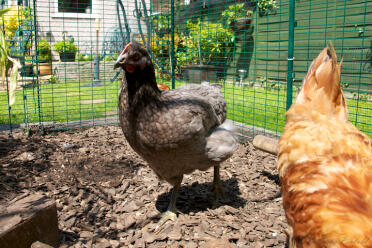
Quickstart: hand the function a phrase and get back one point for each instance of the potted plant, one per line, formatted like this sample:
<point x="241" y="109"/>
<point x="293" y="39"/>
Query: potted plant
<point x="203" y="54"/>
<point x="66" y="49"/>
<point x="238" y="18"/>
<point x="43" y="58"/>
<point x="265" y="7"/>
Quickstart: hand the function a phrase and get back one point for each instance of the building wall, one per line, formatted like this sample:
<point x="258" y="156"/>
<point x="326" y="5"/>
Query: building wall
<point x="82" y="27"/>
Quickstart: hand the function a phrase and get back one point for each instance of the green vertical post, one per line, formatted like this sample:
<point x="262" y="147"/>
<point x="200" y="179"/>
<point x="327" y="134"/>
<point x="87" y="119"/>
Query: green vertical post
<point x="37" y="68"/>
<point x="290" y="53"/>
<point x="172" y="44"/>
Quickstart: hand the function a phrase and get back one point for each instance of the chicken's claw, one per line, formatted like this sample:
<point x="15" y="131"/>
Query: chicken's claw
<point x="164" y="217"/>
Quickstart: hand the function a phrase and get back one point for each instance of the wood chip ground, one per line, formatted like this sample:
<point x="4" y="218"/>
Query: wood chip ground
<point x="106" y="195"/>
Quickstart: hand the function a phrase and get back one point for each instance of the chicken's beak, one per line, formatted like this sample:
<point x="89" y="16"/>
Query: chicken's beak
<point x="123" y="55"/>
<point x="120" y="61"/>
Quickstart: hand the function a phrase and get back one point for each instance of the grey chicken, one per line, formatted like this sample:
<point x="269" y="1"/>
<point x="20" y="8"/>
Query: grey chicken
<point x="175" y="131"/>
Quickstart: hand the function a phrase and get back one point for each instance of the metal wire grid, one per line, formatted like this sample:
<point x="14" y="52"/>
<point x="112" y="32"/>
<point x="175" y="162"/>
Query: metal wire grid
<point x="193" y="42"/>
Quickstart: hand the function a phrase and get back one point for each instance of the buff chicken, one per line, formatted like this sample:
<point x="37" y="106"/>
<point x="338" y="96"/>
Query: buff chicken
<point x="325" y="165"/>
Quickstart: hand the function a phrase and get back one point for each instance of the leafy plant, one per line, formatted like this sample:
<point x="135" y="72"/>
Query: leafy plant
<point x="84" y="57"/>
<point x="43" y="49"/>
<point x="65" y="46"/>
<point x="109" y="58"/>
<point x="264" y="7"/>
<point x="236" y="11"/>
<point x="161" y="46"/>
<point x="206" y="43"/>
<point x="8" y="64"/>
<point x="161" y="21"/>
<point x="52" y="79"/>
<point x="13" y="18"/>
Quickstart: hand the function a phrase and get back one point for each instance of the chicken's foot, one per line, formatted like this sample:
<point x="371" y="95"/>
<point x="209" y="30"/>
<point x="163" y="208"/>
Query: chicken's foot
<point x="171" y="213"/>
<point x="217" y="187"/>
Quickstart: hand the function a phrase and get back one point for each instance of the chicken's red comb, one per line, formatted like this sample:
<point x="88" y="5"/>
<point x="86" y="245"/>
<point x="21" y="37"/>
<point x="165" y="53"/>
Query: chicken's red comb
<point x="127" y="46"/>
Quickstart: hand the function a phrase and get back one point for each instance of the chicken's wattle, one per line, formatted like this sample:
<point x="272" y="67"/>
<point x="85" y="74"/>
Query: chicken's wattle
<point x="130" y="68"/>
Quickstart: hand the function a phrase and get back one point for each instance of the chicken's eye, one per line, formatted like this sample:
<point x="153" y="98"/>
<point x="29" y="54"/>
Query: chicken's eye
<point x="135" y="56"/>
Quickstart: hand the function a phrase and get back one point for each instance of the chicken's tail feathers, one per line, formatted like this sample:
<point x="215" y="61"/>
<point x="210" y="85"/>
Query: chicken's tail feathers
<point x="321" y="86"/>
<point x="222" y="142"/>
<point x="228" y="125"/>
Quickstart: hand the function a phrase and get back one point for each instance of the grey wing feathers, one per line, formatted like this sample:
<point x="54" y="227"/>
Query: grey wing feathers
<point x="212" y="94"/>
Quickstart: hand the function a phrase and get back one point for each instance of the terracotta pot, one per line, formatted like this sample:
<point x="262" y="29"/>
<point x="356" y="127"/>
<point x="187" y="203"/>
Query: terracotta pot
<point x="44" y="69"/>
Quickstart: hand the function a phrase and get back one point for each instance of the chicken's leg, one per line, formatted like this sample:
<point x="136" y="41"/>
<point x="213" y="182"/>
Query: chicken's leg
<point x="217" y="187"/>
<point x="171" y="213"/>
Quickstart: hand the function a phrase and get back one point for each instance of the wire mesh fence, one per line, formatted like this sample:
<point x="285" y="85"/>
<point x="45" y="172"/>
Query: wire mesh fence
<point x="252" y="48"/>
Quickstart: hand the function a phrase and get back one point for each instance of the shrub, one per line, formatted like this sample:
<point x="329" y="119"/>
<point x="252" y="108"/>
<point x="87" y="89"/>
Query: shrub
<point x="16" y="16"/>
<point x="206" y="43"/>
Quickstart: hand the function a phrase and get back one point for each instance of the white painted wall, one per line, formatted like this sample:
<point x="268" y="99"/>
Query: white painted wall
<point x="82" y="27"/>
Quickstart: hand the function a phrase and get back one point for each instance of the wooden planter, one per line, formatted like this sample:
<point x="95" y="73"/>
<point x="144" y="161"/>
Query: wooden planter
<point x="44" y="69"/>
<point x="67" y="57"/>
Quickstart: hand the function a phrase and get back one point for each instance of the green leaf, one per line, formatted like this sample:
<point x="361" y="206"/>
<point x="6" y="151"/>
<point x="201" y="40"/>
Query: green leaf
<point x="4" y="11"/>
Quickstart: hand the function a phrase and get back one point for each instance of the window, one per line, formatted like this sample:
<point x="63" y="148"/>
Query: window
<point x="74" y="8"/>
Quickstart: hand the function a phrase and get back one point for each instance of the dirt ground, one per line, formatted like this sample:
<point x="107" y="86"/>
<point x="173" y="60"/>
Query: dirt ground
<point x="106" y="195"/>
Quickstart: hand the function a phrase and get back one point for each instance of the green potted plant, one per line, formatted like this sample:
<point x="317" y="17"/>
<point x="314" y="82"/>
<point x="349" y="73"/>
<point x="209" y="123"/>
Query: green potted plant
<point x="203" y="53"/>
<point x="66" y="49"/>
<point x="43" y="58"/>
<point x="238" y="18"/>
<point x="265" y="7"/>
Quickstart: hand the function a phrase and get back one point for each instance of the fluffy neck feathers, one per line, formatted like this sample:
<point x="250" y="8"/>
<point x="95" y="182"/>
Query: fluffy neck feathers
<point x="141" y="88"/>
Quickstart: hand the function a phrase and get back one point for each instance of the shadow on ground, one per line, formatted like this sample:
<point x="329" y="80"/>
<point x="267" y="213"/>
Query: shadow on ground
<point x="199" y="197"/>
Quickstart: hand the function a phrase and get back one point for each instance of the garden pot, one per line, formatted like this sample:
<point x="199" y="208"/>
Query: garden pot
<point x="241" y="24"/>
<point x="44" y="69"/>
<point x="27" y="70"/>
<point x="200" y="73"/>
<point x="67" y="57"/>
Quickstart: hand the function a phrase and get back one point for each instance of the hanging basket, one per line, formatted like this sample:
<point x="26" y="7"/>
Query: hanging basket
<point x="67" y="57"/>
<point x="241" y="24"/>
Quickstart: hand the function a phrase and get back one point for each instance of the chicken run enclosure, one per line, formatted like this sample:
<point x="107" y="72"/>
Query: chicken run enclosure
<point x="258" y="50"/>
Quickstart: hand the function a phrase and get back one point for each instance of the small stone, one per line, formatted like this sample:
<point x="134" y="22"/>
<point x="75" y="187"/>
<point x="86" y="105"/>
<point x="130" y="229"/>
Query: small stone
<point x="68" y="146"/>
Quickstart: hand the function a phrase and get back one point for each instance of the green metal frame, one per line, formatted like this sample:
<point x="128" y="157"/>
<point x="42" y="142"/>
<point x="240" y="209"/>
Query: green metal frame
<point x="259" y="66"/>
